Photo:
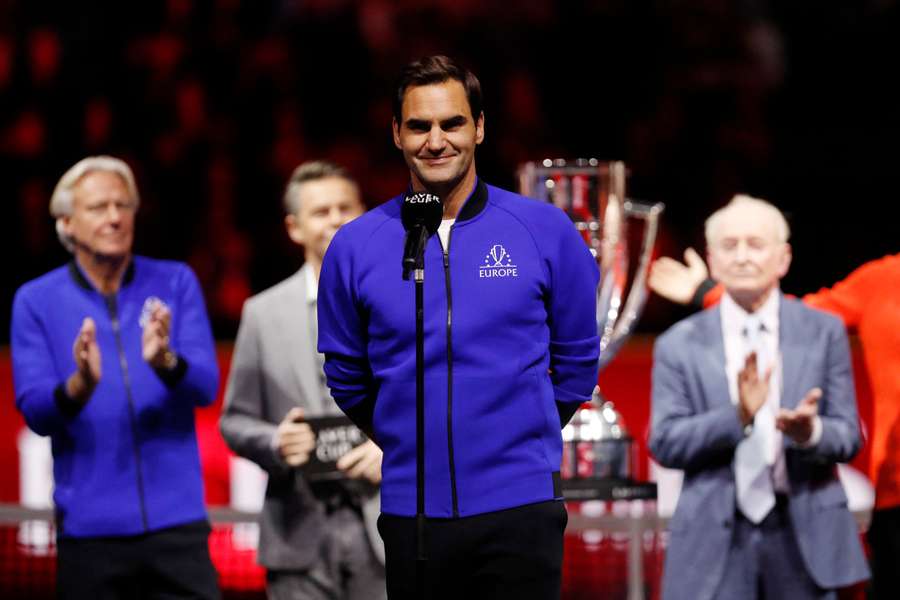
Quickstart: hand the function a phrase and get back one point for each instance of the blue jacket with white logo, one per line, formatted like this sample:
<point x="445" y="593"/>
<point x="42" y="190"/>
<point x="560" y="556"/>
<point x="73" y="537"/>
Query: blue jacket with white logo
<point x="127" y="462"/>
<point x="510" y="332"/>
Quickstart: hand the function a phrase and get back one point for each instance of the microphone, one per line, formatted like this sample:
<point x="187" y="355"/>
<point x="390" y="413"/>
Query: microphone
<point x="421" y="216"/>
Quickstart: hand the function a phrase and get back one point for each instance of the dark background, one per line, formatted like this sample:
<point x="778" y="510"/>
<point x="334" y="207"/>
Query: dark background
<point x="214" y="102"/>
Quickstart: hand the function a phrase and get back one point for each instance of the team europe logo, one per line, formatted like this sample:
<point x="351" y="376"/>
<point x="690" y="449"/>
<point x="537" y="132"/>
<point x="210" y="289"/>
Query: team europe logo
<point x="497" y="263"/>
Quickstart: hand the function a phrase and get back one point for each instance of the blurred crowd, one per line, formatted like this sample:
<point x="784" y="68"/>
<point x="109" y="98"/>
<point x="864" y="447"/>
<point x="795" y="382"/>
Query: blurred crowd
<point x="214" y="102"/>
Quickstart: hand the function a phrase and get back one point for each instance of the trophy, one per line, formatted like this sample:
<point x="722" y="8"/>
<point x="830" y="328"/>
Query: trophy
<point x="597" y="446"/>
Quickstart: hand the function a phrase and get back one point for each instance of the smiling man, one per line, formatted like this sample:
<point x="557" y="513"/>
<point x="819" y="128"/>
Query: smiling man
<point x="508" y="356"/>
<point x="317" y="538"/>
<point x="754" y="400"/>
<point x="111" y="355"/>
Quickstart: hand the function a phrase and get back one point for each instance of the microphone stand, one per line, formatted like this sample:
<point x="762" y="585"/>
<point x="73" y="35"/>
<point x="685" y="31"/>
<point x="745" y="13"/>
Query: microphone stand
<point x="418" y="269"/>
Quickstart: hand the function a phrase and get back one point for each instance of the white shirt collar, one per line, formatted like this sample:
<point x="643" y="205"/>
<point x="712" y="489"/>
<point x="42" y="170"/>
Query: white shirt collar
<point x="312" y="286"/>
<point x="734" y="316"/>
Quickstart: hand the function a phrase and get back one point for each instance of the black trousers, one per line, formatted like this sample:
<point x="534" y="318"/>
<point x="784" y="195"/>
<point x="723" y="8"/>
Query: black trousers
<point x="514" y="554"/>
<point x="884" y="540"/>
<point x="171" y="563"/>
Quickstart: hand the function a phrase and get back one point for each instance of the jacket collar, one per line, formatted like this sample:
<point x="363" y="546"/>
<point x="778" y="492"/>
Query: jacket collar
<point x="83" y="282"/>
<point x="475" y="203"/>
<point x="795" y="343"/>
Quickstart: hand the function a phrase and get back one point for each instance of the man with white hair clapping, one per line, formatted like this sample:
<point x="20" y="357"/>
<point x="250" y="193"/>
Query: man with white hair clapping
<point x="111" y="354"/>
<point x="754" y="400"/>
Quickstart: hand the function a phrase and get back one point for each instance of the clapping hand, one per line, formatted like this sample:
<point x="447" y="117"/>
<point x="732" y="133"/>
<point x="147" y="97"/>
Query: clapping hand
<point x="752" y="389"/>
<point x="798" y="423"/>
<point x="155" y="339"/>
<point x="88" y="363"/>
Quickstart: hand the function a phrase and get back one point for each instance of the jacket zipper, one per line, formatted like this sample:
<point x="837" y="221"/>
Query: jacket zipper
<point x="123" y="364"/>
<point x="450" y="376"/>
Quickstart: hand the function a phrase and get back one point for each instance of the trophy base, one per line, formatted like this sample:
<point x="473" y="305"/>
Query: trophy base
<point x="608" y="489"/>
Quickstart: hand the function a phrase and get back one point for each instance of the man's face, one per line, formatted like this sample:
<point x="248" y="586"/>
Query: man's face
<point x="325" y="205"/>
<point x="745" y="254"/>
<point x="102" y="219"/>
<point x="438" y="134"/>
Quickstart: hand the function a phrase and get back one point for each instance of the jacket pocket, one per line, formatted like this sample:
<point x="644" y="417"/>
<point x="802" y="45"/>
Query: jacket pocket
<point x="547" y="422"/>
<point x="829" y="496"/>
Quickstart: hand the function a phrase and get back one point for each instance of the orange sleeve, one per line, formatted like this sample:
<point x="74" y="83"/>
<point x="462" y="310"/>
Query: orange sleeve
<point x="847" y="298"/>
<point x="713" y="296"/>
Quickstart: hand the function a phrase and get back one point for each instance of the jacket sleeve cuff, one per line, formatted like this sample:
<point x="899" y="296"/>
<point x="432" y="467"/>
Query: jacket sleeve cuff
<point x="362" y="414"/>
<point x="566" y="411"/>
<point x="273" y="447"/>
<point x="697" y="300"/>
<point x="172" y="377"/>
<point x="816" y="435"/>
<point x="66" y="405"/>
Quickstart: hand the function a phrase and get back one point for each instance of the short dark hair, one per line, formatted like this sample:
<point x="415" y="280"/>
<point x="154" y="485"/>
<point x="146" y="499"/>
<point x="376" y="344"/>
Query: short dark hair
<point x="437" y="69"/>
<point x="310" y="171"/>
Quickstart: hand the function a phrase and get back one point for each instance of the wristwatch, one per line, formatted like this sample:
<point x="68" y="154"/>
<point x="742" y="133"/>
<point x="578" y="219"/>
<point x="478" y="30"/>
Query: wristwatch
<point x="170" y="360"/>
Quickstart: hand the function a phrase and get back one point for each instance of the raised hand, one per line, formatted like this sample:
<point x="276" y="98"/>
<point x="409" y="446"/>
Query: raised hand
<point x="676" y="281"/>
<point x="155" y="339"/>
<point x="798" y="423"/>
<point x="88" y="363"/>
<point x="752" y="389"/>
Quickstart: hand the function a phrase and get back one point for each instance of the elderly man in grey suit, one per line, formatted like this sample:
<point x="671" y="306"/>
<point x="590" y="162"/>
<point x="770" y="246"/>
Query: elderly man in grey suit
<point x="318" y="540"/>
<point x="754" y="400"/>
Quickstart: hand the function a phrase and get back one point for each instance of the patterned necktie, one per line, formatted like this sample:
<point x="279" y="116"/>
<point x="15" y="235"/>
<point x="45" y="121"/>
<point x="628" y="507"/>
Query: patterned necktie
<point x="754" y="455"/>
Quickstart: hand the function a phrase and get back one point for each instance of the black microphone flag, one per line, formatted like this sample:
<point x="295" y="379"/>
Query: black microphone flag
<point x="421" y="216"/>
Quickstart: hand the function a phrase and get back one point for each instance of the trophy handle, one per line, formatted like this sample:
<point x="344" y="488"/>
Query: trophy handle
<point x="617" y="329"/>
<point x="609" y="244"/>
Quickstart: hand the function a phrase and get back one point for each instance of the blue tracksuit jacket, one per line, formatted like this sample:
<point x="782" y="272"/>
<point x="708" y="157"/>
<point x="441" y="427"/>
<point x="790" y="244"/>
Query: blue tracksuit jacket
<point x="127" y="462"/>
<point x="510" y="330"/>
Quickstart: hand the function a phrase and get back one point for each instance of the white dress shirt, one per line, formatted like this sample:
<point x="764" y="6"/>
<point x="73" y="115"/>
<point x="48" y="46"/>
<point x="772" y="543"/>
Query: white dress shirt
<point x="734" y="321"/>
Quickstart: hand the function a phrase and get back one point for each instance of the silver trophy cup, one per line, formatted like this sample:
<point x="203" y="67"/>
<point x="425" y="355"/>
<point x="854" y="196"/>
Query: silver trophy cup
<point x="598" y="453"/>
<point x="592" y="193"/>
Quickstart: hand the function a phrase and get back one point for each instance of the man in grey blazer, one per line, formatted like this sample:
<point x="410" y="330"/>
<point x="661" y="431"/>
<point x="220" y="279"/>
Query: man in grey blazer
<point x="318" y="540"/>
<point x="754" y="400"/>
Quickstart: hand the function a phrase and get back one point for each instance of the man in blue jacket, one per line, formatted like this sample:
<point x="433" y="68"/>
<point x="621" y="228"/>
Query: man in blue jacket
<point x="111" y="355"/>
<point x="511" y="351"/>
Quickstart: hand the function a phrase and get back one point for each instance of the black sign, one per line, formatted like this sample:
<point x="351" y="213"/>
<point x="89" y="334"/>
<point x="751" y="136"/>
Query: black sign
<point x="335" y="436"/>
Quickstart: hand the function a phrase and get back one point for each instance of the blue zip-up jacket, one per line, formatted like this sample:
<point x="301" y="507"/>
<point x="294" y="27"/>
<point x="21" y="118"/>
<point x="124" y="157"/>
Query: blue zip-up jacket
<point x="127" y="462"/>
<point x="510" y="331"/>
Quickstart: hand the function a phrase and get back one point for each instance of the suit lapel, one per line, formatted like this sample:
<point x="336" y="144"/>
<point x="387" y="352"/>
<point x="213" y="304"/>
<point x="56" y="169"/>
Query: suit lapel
<point x="712" y="347"/>
<point x="793" y="352"/>
<point x="300" y="344"/>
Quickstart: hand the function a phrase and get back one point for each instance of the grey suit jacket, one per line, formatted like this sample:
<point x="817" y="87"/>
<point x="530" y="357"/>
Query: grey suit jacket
<point x="273" y="369"/>
<point x="695" y="427"/>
